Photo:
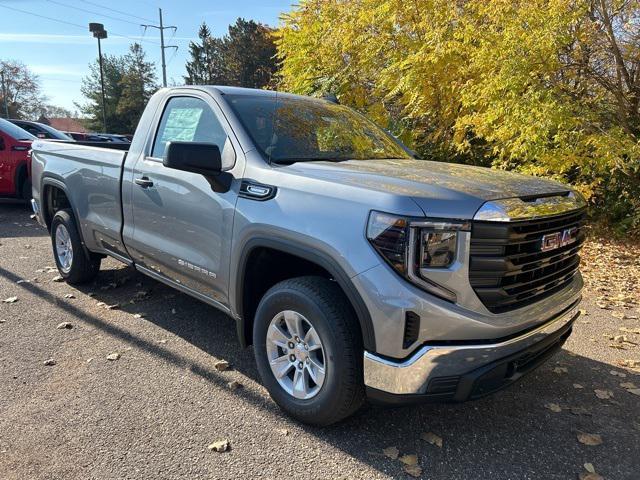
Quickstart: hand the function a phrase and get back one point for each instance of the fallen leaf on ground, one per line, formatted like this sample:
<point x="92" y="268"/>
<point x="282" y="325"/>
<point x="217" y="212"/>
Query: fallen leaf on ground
<point x="391" y="452"/>
<point x="23" y="281"/>
<point x="10" y="300"/>
<point x="50" y="362"/>
<point x="409" y="459"/>
<point x="432" y="438"/>
<point x="616" y="373"/>
<point x="233" y="385"/>
<point x="219" y="446"/>
<point x="635" y="331"/>
<point x="589" y="476"/>
<point x="634" y="391"/>
<point x="589" y="468"/>
<point x="57" y="278"/>
<point x="628" y="385"/>
<point x="629" y="363"/>
<point x="603" y="394"/>
<point x="577" y="385"/>
<point x="137" y="315"/>
<point x="221" y="365"/>
<point x="591" y="439"/>
<point x="413" y="470"/>
<point x="554" y="407"/>
<point x="64" y="325"/>
<point x="112" y="307"/>
<point x="560" y="370"/>
<point x="113" y="356"/>
<point x="69" y="295"/>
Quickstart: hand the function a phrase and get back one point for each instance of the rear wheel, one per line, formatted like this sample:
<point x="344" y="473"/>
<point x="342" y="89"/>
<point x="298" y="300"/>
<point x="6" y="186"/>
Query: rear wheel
<point x="74" y="264"/>
<point x="308" y="350"/>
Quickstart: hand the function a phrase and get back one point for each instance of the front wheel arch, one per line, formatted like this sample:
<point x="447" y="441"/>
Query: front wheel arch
<point x="319" y="262"/>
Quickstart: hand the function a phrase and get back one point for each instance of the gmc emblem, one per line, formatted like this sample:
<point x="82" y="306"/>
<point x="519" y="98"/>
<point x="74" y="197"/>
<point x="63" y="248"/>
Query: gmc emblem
<point x="551" y="241"/>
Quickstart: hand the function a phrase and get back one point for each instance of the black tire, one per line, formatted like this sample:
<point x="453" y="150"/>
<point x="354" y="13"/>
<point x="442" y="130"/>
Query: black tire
<point x="83" y="267"/>
<point x="325" y="306"/>
<point x="25" y="189"/>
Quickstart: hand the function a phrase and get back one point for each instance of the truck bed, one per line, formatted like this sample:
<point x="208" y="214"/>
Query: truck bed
<point x="91" y="176"/>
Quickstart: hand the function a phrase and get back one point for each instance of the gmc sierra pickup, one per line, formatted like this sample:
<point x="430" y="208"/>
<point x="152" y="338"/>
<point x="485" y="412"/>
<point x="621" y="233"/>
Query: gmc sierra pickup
<point x="354" y="269"/>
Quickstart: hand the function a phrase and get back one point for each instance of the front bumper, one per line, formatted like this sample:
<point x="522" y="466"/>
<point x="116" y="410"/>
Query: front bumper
<point x="458" y="371"/>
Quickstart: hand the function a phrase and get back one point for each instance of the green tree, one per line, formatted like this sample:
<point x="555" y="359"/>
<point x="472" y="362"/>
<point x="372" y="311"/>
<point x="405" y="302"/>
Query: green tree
<point x="24" y="94"/>
<point x="138" y="84"/>
<point x="548" y="87"/>
<point x="244" y="57"/>
<point x="129" y="81"/>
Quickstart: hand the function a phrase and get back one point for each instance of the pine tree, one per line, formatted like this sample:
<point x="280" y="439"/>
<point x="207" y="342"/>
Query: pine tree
<point x="245" y="57"/>
<point x="197" y="67"/>
<point x="129" y="82"/>
<point x="138" y="85"/>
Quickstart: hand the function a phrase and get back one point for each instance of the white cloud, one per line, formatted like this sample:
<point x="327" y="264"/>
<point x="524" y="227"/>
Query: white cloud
<point x="57" y="69"/>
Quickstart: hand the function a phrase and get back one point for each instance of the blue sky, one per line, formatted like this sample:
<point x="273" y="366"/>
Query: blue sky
<point x="60" y="52"/>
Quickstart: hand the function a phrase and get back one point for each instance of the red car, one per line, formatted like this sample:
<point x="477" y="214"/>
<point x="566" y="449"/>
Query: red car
<point x="15" y="160"/>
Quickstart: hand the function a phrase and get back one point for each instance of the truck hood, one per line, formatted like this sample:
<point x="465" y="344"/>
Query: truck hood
<point x="445" y="190"/>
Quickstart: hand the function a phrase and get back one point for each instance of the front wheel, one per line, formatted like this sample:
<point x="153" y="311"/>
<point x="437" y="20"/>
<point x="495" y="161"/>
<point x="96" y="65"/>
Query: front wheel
<point x="308" y="350"/>
<point x="74" y="264"/>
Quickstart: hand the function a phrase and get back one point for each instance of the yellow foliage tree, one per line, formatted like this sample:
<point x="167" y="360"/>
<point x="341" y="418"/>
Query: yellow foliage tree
<point x="550" y="87"/>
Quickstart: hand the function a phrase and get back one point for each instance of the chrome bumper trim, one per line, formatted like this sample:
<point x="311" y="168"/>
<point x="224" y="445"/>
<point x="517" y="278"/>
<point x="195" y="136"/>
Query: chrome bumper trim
<point x="411" y="376"/>
<point x="36" y="210"/>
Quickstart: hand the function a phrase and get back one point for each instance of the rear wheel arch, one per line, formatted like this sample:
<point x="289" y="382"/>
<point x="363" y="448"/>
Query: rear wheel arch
<point x="54" y="197"/>
<point x="305" y="261"/>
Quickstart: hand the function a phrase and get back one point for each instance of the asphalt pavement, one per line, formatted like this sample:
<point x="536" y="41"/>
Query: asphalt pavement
<point x="152" y="412"/>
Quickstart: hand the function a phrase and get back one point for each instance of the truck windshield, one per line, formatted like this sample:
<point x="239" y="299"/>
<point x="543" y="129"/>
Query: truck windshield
<point x="289" y="129"/>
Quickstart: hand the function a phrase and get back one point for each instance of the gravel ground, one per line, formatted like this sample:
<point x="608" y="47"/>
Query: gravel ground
<point x="152" y="413"/>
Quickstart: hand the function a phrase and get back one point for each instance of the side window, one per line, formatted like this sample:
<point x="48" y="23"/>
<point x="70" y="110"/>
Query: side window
<point x="188" y="119"/>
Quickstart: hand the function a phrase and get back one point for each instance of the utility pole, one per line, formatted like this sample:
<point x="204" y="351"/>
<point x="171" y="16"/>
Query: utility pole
<point x="163" y="47"/>
<point x="4" y="95"/>
<point x="100" y="33"/>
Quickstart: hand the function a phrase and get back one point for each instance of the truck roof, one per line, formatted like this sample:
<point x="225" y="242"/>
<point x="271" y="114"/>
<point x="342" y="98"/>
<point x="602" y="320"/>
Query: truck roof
<point x="227" y="90"/>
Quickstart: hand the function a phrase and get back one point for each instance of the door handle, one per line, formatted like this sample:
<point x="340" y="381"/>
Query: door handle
<point x="144" y="182"/>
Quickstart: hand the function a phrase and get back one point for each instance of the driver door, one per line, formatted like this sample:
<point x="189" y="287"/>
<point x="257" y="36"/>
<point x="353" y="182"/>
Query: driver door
<point x="182" y="221"/>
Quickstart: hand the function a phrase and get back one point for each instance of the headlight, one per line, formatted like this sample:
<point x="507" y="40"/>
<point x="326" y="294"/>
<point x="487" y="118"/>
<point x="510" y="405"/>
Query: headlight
<point x="390" y="236"/>
<point x="437" y="248"/>
<point x="412" y="246"/>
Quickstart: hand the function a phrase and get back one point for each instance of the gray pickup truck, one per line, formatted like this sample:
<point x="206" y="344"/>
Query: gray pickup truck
<point x="353" y="268"/>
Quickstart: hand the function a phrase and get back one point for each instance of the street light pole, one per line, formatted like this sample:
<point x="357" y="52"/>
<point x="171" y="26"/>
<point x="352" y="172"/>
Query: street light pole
<point x="100" y="33"/>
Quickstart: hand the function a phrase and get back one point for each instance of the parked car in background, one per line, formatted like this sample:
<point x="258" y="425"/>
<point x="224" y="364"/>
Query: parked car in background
<point x="15" y="160"/>
<point x="85" y="137"/>
<point x="40" y="130"/>
<point x="110" y="137"/>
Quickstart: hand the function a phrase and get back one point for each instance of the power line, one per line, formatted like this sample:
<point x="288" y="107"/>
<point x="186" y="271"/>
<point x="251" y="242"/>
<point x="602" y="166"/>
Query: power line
<point x="93" y="12"/>
<point x="43" y="16"/>
<point x="117" y="11"/>
<point x="83" y="27"/>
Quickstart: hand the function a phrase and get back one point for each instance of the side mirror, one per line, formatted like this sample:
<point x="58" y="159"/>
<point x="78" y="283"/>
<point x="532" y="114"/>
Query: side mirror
<point x="203" y="158"/>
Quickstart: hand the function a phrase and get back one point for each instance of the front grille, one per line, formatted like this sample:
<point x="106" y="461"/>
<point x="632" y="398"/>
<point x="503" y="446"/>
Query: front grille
<point x="508" y="269"/>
